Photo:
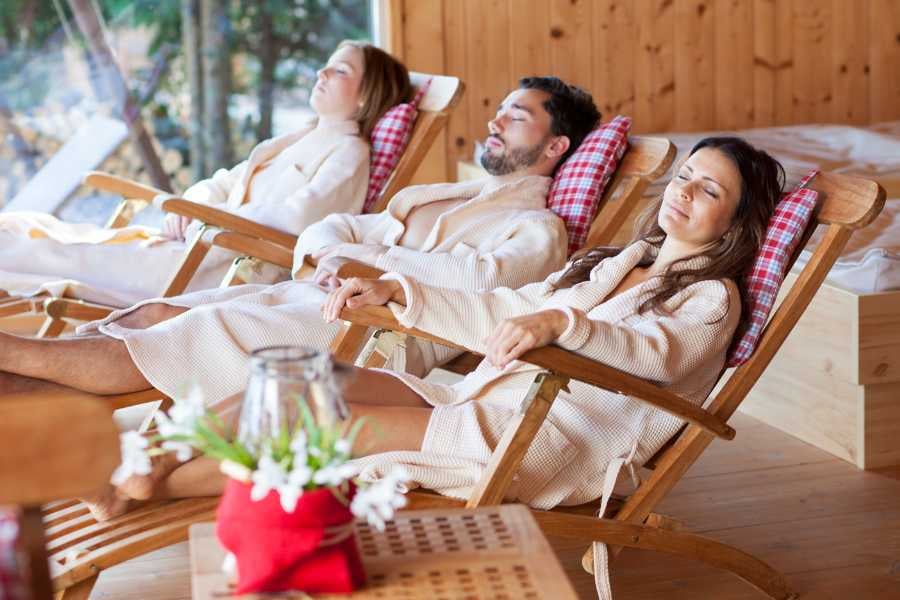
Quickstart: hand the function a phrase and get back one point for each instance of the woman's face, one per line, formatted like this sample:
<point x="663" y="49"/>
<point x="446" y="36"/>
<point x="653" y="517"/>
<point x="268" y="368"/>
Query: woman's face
<point x="700" y="200"/>
<point x="336" y="93"/>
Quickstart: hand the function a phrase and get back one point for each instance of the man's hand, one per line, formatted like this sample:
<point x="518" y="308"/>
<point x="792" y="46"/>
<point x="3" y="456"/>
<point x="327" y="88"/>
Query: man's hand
<point x="326" y="272"/>
<point x="356" y="292"/>
<point x="175" y="226"/>
<point x="514" y="337"/>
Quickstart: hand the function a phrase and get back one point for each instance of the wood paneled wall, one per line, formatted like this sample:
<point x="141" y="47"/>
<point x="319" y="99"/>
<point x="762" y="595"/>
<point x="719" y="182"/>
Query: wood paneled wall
<point x="674" y="65"/>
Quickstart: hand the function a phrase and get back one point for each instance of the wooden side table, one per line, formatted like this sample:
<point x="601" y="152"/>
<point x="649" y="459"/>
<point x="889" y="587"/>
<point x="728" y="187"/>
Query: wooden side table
<point x="448" y="554"/>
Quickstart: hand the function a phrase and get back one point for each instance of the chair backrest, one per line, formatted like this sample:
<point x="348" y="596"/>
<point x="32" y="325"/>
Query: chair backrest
<point x="845" y="203"/>
<point x="442" y="96"/>
<point x="647" y="159"/>
<point x="52" y="447"/>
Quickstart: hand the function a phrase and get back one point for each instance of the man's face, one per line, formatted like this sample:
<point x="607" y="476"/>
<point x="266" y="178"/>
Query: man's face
<point x="519" y="133"/>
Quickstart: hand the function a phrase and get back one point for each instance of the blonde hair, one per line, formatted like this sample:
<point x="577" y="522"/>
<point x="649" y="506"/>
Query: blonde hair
<point x="385" y="83"/>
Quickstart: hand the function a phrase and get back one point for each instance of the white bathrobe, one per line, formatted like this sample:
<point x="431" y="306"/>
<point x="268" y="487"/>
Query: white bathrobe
<point x="587" y="428"/>
<point x="505" y="236"/>
<point x="288" y="182"/>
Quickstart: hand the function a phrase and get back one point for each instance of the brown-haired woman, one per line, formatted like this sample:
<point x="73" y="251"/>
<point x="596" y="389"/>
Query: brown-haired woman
<point x="664" y="308"/>
<point x="287" y="182"/>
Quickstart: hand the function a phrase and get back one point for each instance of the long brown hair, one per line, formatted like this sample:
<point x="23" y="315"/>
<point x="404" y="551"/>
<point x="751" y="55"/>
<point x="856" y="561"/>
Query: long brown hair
<point x="385" y="83"/>
<point x="762" y="179"/>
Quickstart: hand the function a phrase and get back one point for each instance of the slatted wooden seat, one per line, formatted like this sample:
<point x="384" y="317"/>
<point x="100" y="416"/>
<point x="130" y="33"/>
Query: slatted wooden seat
<point x="80" y="547"/>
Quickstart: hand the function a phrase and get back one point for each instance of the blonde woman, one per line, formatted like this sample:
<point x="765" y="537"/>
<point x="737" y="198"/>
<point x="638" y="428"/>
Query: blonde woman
<point x="287" y="182"/>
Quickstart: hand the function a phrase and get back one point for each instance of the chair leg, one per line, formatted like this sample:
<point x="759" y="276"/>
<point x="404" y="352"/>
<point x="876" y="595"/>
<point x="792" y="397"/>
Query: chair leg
<point x="516" y="439"/>
<point x="704" y="549"/>
<point x="51" y="328"/>
<point x="80" y="591"/>
<point x="232" y="277"/>
<point x="35" y="544"/>
<point x="346" y="345"/>
<point x="380" y="348"/>
<point x="196" y="252"/>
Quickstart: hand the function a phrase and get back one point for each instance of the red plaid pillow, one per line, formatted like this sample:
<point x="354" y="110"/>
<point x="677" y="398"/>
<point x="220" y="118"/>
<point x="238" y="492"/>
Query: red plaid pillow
<point x="579" y="183"/>
<point x="389" y="139"/>
<point x="785" y="231"/>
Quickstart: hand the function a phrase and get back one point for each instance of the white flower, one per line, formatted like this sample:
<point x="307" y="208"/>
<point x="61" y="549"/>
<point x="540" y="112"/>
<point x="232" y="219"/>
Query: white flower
<point x="182" y="418"/>
<point x="268" y="476"/>
<point x="183" y="450"/>
<point x="334" y="473"/>
<point x="135" y="460"/>
<point x="379" y="501"/>
<point x="289" y="496"/>
<point x="342" y="446"/>
<point x="229" y="565"/>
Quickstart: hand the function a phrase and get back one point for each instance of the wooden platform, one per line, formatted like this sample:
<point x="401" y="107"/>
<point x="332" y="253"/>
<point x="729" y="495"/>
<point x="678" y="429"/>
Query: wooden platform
<point x="834" y="529"/>
<point x="835" y="383"/>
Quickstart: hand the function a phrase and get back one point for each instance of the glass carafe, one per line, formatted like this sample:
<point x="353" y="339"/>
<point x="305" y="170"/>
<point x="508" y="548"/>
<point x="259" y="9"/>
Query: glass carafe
<point x="280" y="378"/>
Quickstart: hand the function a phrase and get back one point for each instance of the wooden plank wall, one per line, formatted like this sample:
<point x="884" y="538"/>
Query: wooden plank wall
<point x="674" y="65"/>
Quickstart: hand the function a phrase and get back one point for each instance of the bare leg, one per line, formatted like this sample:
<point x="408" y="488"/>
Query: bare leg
<point x="18" y="384"/>
<point x="97" y="364"/>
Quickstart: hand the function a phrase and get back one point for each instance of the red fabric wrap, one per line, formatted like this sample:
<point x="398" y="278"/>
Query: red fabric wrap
<point x="278" y="551"/>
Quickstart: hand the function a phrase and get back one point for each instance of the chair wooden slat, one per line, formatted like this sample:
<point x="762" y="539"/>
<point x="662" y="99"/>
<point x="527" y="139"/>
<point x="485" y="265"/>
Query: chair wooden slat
<point x="121" y="186"/>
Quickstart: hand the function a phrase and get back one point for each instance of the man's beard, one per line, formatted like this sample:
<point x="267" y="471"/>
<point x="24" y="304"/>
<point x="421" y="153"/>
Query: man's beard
<point x="512" y="160"/>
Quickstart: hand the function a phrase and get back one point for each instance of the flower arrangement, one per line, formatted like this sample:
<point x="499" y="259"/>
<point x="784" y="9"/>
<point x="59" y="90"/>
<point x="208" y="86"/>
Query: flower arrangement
<point x="311" y="456"/>
<point x="296" y="485"/>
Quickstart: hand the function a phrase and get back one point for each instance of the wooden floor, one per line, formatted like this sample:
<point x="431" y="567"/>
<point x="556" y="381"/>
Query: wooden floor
<point x="833" y="529"/>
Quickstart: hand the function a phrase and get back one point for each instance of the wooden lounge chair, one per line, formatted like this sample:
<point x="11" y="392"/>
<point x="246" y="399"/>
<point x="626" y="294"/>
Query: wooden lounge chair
<point x="434" y="109"/>
<point x="159" y="524"/>
<point x="846" y="203"/>
<point x="71" y="446"/>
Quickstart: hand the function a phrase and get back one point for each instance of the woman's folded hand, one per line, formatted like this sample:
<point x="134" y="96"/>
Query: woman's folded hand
<point x="356" y="293"/>
<point x="514" y="337"/>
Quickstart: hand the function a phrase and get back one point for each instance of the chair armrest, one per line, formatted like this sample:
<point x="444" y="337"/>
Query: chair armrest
<point x="251" y="246"/>
<point x="226" y="220"/>
<point x="122" y="186"/>
<point x="355" y="268"/>
<point x="569" y="364"/>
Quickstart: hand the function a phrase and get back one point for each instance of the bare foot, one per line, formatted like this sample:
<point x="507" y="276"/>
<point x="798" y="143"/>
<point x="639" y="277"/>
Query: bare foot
<point x="107" y="504"/>
<point x="142" y="487"/>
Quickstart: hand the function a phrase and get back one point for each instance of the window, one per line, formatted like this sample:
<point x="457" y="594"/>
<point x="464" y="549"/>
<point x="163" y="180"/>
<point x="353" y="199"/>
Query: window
<point x="58" y="99"/>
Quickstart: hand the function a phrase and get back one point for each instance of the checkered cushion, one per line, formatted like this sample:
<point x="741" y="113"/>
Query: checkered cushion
<point x="579" y="183"/>
<point x="785" y="231"/>
<point x="389" y="139"/>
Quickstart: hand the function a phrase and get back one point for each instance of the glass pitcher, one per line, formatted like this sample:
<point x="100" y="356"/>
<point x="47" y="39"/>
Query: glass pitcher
<point x="280" y="378"/>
